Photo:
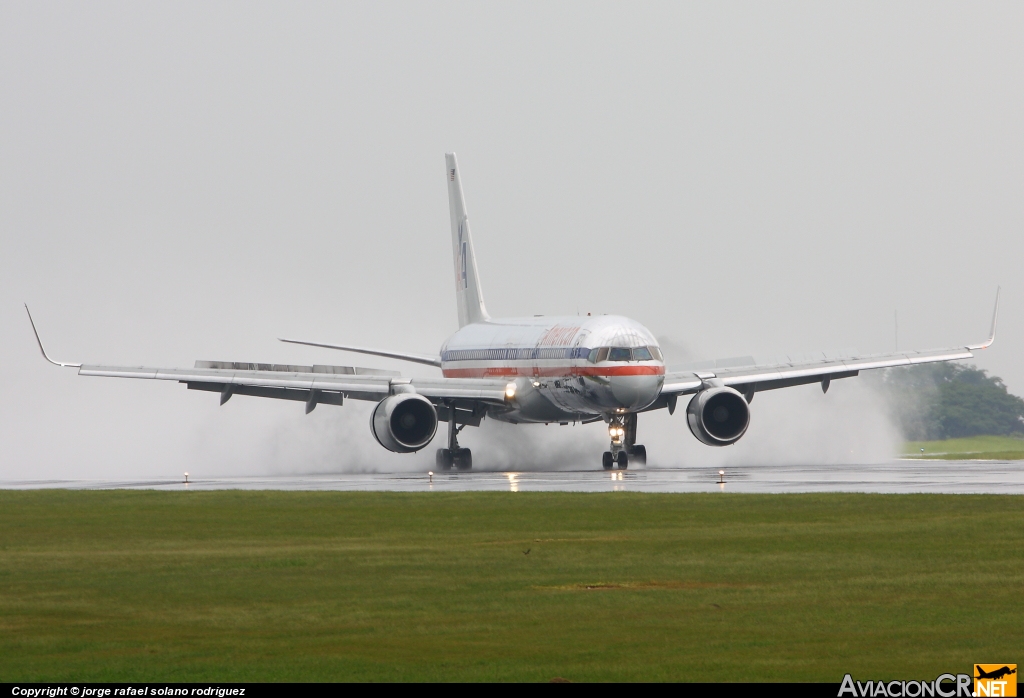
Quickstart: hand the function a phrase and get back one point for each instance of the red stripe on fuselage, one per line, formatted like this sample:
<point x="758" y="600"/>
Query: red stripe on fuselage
<point x="552" y="372"/>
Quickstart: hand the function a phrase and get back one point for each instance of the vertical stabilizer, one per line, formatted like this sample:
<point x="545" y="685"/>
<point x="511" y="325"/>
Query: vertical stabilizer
<point x="468" y="296"/>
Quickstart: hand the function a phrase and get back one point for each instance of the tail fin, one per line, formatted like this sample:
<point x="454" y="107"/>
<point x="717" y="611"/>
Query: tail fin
<point x="468" y="295"/>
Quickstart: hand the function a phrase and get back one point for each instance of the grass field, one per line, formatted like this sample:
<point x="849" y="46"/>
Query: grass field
<point x="974" y="448"/>
<point x="223" y="586"/>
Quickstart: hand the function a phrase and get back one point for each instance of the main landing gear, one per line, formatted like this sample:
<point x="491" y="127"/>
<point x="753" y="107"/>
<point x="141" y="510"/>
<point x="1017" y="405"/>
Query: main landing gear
<point x="453" y="456"/>
<point x="624" y="448"/>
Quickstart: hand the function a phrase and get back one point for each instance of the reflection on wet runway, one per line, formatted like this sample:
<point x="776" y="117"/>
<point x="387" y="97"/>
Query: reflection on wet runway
<point x="901" y="476"/>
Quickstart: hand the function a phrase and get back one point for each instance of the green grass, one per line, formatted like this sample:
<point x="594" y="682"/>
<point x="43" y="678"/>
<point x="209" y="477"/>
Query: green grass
<point x="973" y="448"/>
<point x="265" y="586"/>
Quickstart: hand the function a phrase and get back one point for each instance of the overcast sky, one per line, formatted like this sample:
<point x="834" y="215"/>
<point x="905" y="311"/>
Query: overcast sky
<point x="186" y="181"/>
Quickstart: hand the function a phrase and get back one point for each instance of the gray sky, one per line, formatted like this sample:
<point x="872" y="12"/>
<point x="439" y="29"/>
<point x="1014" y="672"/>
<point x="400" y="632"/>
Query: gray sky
<point x="192" y="180"/>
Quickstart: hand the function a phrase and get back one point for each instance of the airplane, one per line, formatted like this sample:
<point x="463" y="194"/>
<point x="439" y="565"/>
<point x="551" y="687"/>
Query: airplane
<point x="995" y="674"/>
<point x="526" y="370"/>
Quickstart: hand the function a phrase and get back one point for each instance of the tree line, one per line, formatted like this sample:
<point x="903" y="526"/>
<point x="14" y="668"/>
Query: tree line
<point x="950" y="400"/>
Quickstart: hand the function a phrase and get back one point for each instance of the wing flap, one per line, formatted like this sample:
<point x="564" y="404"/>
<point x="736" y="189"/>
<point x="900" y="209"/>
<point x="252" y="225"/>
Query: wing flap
<point x="272" y="379"/>
<point x="492" y="390"/>
<point x="323" y="398"/>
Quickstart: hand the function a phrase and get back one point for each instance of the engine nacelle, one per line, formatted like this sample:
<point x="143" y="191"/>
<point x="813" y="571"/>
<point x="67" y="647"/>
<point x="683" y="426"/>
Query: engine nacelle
<point x="404" y="423"/>
<point x="718" y="416"/>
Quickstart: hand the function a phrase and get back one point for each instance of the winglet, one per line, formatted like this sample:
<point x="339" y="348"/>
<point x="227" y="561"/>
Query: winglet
<point x="992" y="333"/>
<point x="40" y="343"/>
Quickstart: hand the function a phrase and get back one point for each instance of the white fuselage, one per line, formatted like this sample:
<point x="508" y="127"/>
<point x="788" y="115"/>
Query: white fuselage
<point x="564" y="368"/>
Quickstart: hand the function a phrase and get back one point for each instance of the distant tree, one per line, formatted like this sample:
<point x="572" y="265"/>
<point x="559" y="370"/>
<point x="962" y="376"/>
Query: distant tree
<point x="950" y="400"/>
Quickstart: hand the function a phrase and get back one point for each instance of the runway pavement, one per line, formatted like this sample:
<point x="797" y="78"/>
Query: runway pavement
<point x="900" y="476"/>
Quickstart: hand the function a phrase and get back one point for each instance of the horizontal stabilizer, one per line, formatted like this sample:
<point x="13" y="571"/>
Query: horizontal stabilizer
<point x="401" y="356"/>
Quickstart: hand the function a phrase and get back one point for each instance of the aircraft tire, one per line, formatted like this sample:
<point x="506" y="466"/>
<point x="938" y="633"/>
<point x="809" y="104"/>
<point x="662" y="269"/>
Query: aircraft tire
<point x="623" y="460"/>
<point x="607" y="461"/>
<point x="463" y="459"/>
<point x="443" y="460"/>
<point x="639" y="454"/>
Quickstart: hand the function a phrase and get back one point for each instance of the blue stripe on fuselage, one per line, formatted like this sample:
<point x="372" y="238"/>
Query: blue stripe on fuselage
<point x="515" y="354"/>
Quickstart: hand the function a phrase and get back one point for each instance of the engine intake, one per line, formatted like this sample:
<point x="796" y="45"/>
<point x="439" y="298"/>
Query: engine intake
<point x="718" y="416"/>
<point x="404" y="423"/>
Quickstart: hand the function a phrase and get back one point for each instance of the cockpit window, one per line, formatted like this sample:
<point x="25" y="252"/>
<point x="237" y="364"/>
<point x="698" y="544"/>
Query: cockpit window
<point x="619" y="354"/>
<point x="600" y="354"/>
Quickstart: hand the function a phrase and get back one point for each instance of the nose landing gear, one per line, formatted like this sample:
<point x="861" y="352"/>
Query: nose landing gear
<point x="624" y="448"/>
<point x="454" y="456"/>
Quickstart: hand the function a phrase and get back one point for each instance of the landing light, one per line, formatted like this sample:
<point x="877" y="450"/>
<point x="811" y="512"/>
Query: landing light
<point x="510" y="391"/>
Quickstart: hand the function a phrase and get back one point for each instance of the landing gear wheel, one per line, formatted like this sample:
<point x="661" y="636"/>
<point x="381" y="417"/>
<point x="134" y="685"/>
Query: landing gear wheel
<point x="463" y="459"/>
<point x="443" y="460"/>
<point x="639" y="454"/>
<point x="607" y="461"/>
<point x="623" y="460"/>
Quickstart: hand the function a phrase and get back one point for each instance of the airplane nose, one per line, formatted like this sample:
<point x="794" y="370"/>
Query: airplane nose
<point x="635" y="392"/>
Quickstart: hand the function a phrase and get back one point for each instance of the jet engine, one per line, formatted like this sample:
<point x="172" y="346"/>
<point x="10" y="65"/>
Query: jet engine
<point x="404" y="423"/>
<point x="718" y="416"/>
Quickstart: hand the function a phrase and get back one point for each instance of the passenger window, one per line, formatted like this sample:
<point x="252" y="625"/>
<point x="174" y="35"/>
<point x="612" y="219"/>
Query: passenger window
<point x="619" y="354"/>
<point x="642" y="354"/>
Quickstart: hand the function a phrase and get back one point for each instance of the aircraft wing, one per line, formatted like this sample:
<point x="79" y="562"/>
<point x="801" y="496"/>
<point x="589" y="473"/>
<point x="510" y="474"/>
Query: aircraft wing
<point x="770" y="376"/>
<point x="749" y="377"/>
<point x="310" y="384"/>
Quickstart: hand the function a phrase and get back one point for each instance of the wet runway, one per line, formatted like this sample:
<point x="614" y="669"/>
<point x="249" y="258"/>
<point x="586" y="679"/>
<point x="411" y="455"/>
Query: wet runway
<point x="900" y="476"/>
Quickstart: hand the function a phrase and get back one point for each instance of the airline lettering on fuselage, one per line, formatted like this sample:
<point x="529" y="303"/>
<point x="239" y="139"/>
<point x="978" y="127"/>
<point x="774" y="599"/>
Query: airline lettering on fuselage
<point x="558" y="336"/>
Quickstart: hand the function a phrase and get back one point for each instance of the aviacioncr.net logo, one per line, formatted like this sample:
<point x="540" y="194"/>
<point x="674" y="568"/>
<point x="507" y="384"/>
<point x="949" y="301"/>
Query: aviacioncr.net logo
<point x="943" y="686"/>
